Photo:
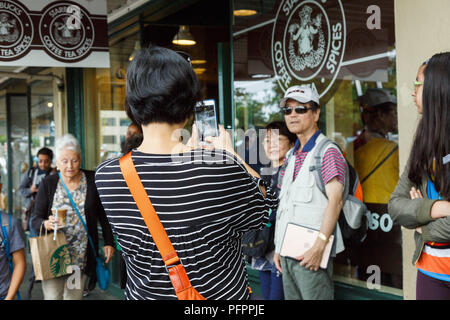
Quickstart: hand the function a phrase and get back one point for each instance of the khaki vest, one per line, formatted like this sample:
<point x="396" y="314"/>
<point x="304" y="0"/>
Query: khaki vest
<point x="302" y="202"/>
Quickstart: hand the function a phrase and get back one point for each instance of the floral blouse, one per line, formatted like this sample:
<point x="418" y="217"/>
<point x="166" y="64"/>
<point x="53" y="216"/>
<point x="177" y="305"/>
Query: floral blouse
<point x="76" y="235"/>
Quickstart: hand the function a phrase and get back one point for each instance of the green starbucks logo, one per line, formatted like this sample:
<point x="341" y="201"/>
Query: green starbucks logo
<point x="59" y="261"/>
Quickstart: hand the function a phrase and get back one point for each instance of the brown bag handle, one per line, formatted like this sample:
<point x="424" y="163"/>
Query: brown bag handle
<point x="177" y="273"/>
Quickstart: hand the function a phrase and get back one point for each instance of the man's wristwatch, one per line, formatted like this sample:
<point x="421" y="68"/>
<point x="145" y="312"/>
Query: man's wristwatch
<point x="323" y="237"/>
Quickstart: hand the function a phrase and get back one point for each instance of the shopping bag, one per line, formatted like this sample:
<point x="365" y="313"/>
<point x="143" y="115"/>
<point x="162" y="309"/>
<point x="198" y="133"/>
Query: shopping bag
<point x="50" y="257"/>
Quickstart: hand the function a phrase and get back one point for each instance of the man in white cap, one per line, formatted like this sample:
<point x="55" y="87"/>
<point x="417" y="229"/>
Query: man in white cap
<point x="376" y="160"/>
<point x="303" y="203"/>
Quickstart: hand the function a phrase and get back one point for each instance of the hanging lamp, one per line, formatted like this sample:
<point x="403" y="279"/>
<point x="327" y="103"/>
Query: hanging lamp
<point x="184" y="37"/>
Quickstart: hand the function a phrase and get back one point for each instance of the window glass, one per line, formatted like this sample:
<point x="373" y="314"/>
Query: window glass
<point x="18" y="108"/>
<point x="341" y="50"/>
<point x="3" y="152"/>
<point x="42" y="117"/>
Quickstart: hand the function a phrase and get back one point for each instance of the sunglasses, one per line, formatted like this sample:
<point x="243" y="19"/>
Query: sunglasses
<point x="186" y="56"/>
<point x="299" y="110"/>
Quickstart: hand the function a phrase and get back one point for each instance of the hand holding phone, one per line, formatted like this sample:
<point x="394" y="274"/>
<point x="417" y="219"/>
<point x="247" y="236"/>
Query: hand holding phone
<point x="206" y="119"/>
<point x="223" y="141"/>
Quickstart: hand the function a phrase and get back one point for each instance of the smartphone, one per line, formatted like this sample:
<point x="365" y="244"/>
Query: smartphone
<point x="206" y="119"/>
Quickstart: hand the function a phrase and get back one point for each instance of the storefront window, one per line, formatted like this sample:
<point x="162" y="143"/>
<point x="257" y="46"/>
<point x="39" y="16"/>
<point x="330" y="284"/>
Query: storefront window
<point x="19" y="161"/>
<point x="108" y="86"/>
<point x="342" y="51"/>
<point x="3" y="151"/>
<point x="42" y="117"/>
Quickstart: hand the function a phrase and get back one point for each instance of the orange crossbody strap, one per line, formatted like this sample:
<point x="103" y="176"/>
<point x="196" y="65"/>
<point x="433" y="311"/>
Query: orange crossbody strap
<point x="145" y="206"/>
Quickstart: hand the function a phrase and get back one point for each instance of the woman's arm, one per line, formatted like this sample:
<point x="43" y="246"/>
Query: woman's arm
<point x="41" y="206"/>
<point x="108" y="237"/>
<point x="437" y="230"/>
<point x="409" y="213"/>
<point x="440" y="209"/>
<point x="20" y="266"/>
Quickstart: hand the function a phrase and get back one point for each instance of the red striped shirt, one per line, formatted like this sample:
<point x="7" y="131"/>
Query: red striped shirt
<point x="333" y="165"/>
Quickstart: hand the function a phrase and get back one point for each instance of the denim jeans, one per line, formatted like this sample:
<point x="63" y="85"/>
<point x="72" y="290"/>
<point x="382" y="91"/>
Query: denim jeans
<point x="271" y="285"/>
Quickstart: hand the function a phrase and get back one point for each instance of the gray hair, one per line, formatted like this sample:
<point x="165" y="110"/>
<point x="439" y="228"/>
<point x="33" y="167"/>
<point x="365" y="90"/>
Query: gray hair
<point x="66" y="142"/>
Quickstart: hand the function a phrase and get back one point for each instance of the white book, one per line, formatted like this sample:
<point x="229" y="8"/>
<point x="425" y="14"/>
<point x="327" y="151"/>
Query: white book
<point x="298" y="239"/>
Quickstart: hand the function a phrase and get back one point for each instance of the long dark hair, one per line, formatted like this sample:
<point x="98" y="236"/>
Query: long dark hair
<point x="432" y="139"/>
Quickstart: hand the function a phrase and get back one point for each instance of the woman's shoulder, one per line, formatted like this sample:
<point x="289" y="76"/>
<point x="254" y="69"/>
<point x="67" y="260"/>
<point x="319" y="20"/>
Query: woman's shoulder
<point x="106" y="163"/>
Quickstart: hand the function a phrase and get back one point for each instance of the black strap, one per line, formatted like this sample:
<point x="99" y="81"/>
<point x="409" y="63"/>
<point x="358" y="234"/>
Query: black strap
<point x="379" y="165"/>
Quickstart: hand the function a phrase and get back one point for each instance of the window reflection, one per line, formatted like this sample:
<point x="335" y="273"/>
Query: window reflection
<point x="369" y="63"/>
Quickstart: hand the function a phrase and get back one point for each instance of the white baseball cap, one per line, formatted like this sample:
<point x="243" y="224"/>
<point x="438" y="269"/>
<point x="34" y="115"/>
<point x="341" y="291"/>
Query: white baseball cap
<point x="302" y="94"/>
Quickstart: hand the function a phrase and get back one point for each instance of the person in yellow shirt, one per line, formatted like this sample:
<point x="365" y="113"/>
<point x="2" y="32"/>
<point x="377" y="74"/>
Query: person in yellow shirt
<point x="376" y="161"/>
<point x="376" y="157"/>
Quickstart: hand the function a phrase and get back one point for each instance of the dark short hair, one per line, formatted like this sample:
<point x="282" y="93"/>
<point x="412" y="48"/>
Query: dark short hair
<point x="46" y="152"/>
<point x="283" y="130"/>
<point x="162" y="87"/>
<point x="313" y="105"/>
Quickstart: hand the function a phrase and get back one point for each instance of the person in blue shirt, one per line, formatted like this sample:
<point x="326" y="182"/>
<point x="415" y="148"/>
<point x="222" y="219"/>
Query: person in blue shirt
<point x="12" y="257"/>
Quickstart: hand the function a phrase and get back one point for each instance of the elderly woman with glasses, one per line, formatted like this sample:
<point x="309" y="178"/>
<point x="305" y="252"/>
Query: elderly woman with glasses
<point x="52" y="195"/>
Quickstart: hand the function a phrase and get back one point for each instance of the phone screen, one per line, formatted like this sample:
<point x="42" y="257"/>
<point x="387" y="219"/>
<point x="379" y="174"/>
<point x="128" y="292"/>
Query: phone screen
<point x="206" y="119"/>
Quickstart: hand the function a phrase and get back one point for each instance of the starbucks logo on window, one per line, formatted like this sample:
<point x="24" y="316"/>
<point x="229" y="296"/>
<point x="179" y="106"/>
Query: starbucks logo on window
<point x="66" y="31"/>
<point x="308" y="43"/>
<point x="16" y="30"/>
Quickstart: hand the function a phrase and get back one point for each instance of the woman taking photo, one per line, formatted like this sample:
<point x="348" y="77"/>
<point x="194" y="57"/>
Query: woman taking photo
<point x="204" y="199"/>
<point x="421" y="199"/>
<point x="52" y="195"/>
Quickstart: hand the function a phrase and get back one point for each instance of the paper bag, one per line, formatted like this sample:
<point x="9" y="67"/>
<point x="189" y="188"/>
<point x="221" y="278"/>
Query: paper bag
<point x="50" y="257"/>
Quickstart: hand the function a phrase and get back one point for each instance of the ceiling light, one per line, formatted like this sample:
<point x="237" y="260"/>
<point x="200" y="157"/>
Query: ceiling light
<point x="137" y="47"/>
<point x="261" y="76"/>
<point x="244" y="12"/>
<point x="199" y="70"/>
<point x="198" y="61"/>
<point x="184" y="37"/>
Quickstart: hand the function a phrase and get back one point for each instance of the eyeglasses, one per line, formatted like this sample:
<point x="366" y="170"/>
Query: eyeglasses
<point x="417" y="84"/>
<point x="299" y="110"/>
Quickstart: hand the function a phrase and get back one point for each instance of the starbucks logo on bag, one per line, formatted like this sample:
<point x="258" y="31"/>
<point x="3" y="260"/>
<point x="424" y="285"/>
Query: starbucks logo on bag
<point x="16" y="30"/>
<point x="308" y="43"/>
<point x="67" y="32"/>
<point x="59" y="261"/>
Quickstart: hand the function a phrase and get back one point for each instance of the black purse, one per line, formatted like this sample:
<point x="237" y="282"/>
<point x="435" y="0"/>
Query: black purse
<point x="255" y="243"/>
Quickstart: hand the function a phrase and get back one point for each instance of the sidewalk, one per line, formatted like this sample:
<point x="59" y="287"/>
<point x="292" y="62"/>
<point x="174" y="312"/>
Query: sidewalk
<point x="36" y="293"/>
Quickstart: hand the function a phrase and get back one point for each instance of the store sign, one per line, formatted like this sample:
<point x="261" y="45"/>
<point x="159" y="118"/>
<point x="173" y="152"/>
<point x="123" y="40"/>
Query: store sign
<point x="54" y="33"/>
<point x="308" y="43"/>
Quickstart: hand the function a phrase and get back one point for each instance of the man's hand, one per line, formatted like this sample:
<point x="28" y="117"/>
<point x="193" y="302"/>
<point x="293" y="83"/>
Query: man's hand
<point x="33" y="189"/>
<point x="277" y="261"/>
<point x="311" y="259"/>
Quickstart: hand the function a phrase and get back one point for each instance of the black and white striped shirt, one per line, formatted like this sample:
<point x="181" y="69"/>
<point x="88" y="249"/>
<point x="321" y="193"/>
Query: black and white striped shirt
<point x="206" y="201"/>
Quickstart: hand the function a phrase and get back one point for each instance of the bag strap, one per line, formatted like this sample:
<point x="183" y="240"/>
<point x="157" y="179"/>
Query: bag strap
<point x="79" y="214"/>
<point x="147" y="211"/>
<point x="318" y="153"/>
<point x="379" y="164"/>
